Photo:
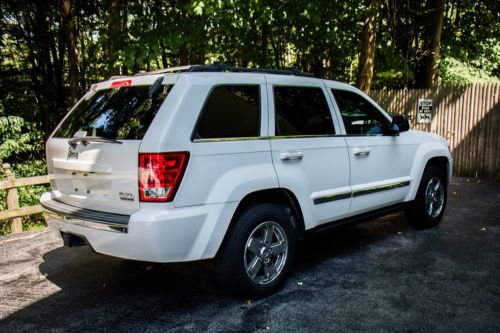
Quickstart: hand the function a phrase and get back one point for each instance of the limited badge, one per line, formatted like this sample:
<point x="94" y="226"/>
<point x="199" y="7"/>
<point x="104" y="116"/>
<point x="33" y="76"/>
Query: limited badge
<point x="126" y="196"/>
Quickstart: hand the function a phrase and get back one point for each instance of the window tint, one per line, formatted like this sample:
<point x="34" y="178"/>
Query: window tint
<point x="302" y="111"/>
<point x="359" y="115"/>
<point x="119" y="113"/>
<point x="230" y="112"/>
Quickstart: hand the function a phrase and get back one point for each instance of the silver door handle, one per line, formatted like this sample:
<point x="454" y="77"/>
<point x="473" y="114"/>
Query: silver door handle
<point x="287" y="156"/>
<point x="361" y="151"/>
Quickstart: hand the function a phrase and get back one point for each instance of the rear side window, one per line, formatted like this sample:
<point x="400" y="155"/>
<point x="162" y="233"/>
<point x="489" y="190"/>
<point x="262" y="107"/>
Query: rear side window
<point x="302" y="111"/>
<point x="230" y="112"/>
<point x="120" y="113"/>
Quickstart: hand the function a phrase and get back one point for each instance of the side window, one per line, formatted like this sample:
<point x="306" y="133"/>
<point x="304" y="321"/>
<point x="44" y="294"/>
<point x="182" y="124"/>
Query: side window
<point x="302" y="111"/>
<point x="359" y="116"/>
<point x="230" y="112"/>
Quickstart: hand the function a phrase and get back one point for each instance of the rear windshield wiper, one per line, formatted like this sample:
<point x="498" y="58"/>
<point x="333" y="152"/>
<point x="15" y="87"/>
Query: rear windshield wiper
<point x="85" y="140"/>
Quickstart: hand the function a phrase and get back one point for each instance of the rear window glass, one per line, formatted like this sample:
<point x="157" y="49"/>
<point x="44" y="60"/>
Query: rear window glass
<point x="302" y="111"/>
<point x="122" y="113"/>
<point x="230" y="112"/>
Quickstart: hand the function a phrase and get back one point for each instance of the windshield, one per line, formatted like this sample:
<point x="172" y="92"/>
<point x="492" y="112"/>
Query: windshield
<point x="121" y="113"/>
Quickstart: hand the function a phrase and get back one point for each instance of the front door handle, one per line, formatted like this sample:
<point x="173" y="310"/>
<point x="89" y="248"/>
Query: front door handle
<point x="361" y="151"/>
<point x="291" y="155"/>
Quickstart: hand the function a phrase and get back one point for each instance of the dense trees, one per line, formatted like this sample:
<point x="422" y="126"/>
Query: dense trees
<point x="52" y="50"/>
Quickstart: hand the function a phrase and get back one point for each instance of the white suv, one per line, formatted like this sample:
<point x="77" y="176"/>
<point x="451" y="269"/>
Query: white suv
<point x="207" y="161"/>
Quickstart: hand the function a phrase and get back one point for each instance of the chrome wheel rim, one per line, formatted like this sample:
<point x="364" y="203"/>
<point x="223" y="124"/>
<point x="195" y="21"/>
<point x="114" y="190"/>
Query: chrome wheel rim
<point x="266" y="251"/>
<point x="434" y="197"/>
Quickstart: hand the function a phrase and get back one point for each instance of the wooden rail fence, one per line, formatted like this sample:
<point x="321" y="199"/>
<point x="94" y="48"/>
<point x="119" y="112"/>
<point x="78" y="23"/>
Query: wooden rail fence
<point x="468" y="116"/>
<point x="14" y="212"/>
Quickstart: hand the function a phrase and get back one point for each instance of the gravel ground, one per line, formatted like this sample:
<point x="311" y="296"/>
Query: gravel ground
<point x="378" y="276"/>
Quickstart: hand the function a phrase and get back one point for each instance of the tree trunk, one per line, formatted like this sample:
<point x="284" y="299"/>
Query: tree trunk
<point x="263" y="55"/>
<point x="43" y="64"/>
<point x="275" y="50"/>
<point x="368" y="46"/>
<point x="184" y="55"/>
<point x="114" y="36"/>
<point x="432" y="63"/>
<point x="123" y="32"/>
<point x="73" y="52"/>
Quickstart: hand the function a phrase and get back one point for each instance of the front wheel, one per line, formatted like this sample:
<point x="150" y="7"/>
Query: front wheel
<point x="258" y="251"/>
<point x="430" y="202"/>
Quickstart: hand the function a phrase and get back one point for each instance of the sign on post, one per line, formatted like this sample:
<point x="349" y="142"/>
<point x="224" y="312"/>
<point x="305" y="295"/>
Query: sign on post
<point x="424" y="111"/>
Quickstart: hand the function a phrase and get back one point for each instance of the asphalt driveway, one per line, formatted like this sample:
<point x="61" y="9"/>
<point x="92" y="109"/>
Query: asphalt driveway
<point x="378" y="276"/>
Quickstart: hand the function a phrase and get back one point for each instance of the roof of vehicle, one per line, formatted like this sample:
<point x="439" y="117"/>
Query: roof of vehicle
<point x="220" y="67"/>
<point x="283" y="76"/>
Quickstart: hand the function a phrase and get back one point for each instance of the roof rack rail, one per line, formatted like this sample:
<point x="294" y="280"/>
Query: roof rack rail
<point x="116" y="77"/>
<point x="177" y="69"/>
<point x="220" y="67"/>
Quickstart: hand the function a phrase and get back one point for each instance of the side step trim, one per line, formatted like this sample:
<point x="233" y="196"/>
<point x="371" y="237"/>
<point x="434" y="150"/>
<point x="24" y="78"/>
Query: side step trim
<point x="360" y="218"/>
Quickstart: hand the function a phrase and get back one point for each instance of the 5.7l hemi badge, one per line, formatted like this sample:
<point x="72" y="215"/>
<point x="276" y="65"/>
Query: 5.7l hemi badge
<point x="126" y="196"/>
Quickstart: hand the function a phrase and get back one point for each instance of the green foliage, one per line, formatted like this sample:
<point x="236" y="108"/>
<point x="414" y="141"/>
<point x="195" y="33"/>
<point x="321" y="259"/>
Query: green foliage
<point x="20" y="145"/>
<point x="18" y="137"/>
<point x="456" y="71"/>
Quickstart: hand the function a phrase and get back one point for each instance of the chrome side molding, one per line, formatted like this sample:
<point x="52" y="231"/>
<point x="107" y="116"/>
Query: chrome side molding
<point x="347" y="195"/>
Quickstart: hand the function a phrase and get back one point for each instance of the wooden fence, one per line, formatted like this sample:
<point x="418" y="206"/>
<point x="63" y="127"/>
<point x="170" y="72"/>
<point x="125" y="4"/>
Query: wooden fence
<point x="14" y="212"/>
<point x="468" y="116"/>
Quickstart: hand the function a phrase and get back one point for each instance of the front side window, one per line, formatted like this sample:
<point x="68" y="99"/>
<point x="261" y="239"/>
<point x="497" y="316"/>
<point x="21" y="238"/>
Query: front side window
<point x="360" y="117"/>
<point x="302" y="111"/>
<point x="230" y="112"/>
<point x="119" y="113"/>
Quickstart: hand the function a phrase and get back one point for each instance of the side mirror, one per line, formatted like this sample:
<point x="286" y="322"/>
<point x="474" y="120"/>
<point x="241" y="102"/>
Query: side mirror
<point x="393" y="130"/>
<point x="401" y="122"/>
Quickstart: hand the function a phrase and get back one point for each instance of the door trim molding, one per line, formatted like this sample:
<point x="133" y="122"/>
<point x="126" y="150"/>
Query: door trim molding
<point x="360" y="192"/>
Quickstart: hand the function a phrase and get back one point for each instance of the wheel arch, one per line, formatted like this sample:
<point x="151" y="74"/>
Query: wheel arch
<point x="439" y="157"/>
<point x="279" y="196"/>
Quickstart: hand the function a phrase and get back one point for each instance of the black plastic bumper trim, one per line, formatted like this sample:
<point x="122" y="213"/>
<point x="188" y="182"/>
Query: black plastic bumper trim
<point x="85" y="214"/>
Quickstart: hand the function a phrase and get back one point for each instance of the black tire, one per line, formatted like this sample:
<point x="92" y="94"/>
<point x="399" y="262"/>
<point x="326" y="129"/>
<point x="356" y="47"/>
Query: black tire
<point x="237" y="251"/>
<point x="421" y="213"/>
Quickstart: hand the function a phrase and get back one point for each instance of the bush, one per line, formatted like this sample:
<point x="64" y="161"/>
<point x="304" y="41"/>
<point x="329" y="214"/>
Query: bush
<point x="21" y="145"/>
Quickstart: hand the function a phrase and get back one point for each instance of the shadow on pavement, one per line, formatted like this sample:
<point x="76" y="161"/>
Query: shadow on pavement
<point x="105" y="293"/>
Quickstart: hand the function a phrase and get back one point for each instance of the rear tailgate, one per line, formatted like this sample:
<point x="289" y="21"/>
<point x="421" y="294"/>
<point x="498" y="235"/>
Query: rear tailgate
<point x="100" y="177"/>
<point x="99" y="171"/>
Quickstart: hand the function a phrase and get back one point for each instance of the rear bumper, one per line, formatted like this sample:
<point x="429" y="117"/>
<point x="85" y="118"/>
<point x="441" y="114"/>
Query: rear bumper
<point x="151" y="234"/>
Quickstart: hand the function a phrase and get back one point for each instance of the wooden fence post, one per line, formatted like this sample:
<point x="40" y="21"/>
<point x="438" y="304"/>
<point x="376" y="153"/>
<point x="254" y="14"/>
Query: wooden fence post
<point x="16" y="223"/>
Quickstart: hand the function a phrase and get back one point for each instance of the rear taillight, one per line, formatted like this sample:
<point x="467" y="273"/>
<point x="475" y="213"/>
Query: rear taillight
<point x="160" y="175"/>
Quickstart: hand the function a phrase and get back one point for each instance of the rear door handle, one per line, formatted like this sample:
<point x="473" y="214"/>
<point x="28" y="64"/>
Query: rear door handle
<point x="361" y="151"/>
<point x="289" y="155"/>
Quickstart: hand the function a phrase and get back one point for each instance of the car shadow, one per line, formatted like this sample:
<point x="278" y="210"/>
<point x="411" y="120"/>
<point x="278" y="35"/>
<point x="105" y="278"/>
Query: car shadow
<point x="98" y="292"/>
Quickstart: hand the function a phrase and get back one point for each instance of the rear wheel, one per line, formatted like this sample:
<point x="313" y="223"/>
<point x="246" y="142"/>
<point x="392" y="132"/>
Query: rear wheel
<point x="430" y="202"/>
<point x="258" y="251"/>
